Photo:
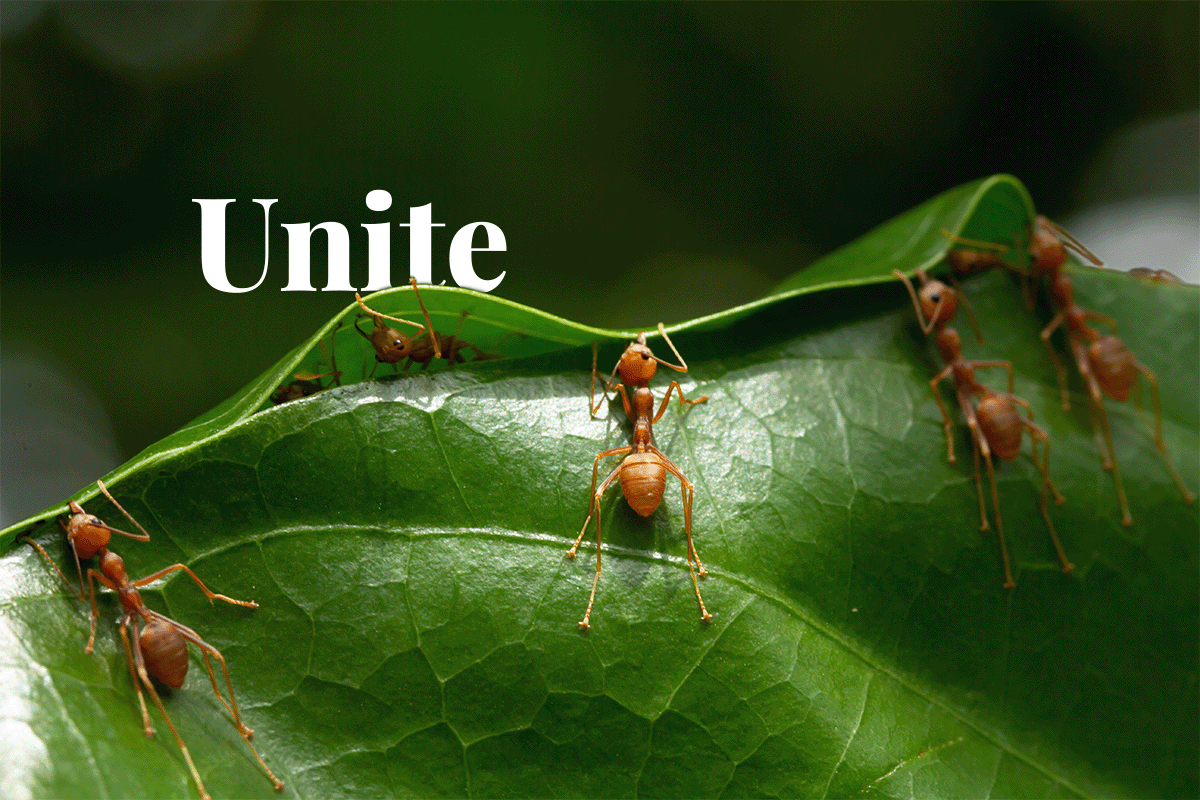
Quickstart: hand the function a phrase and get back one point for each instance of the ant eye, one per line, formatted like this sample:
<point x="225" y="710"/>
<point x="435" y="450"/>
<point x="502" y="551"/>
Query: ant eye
<point x="935" y="297"/>
<point x="397" y="343"/>
<point x="645" y="357"/>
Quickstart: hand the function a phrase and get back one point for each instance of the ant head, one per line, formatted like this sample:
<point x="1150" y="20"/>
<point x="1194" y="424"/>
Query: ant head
<point x="638" y="364"/>
<point x="933" y="294"/>
<point x="1046" y="250"/>
<point x="390" y="344"/>
<point x="86" y="533"/>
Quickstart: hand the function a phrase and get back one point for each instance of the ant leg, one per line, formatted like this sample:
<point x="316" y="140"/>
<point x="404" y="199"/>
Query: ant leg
<point x="947" y="423"/>
<point x="453" y="348"/>
<point x="1107" y="320"/>
<point x="1036" y="434"/>
<point x="1108" y="453"/>
<point x="608" y="385"/>
<point x="232" y="707"/>
<point x="990" y="364"/>
<point x="337" y="376"/>
<point x="1059" y="369"/>
<point x="75" y="554"/>
<point x="378" y="317"/>
<point x="976" y="441"/>
<point x="437" y="352"/>
<point x="999" y="248"/>
<point x="70" y="586"/>
<point x="1159" y="444"/>
<point x="91" y="573"/>
<point x="925" y="327"/>
<point x="209" y="594"/>
<point x="693" y="558"/>
<point x="1096" y="406"/>
<point x="592" y="505"/>
<point x="147" y="728"/>
<point x="597" y="496"/>
<point x="140" y="664"/>
<point x="682" y="400"/>
<point x="987" y="458"/>
<point x="620" y="387"/>
<point x="688" y="495"/>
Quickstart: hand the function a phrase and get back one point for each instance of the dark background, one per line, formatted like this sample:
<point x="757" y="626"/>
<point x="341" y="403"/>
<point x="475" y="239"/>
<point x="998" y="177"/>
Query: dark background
<point x="645" y="162"/>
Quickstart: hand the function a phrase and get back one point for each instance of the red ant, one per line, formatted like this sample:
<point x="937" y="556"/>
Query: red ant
<point x="392" y="346"/>
<point x="1154" y="276"/>
<point x="1106" y="365"/>
<point x="643" y="472"/>
<point x="307" y="384"/>
<point x="995" y="423"/>
<point x="159" y="648"/>
<point x="979" y="256"/>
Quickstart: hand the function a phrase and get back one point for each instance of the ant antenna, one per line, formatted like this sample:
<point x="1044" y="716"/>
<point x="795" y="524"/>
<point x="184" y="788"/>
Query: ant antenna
<point x="1071" y="241"/>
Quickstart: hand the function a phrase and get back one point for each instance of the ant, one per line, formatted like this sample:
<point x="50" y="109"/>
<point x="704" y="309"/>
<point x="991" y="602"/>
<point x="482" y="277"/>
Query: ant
<point x="643" y="471"/>
<point x="979" y="256"/>
<point x="1154" y="276"/>
<point x="306" y="383"/>
<point x="391" y="346"/>
<point x="158" y="648"/>
<point x="1106" y="365"/>
<point x="995" y="423"/>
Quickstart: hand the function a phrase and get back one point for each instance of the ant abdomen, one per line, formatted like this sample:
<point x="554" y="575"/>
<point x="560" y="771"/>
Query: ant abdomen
<point x="165" y="653"/>
<point x="643" y="478"/>
<point x="1114" y="366"/>
<point x="1001" y="426"/>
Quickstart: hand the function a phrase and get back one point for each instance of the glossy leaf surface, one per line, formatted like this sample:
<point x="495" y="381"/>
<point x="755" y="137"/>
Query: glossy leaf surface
<point x="417" y="630"/>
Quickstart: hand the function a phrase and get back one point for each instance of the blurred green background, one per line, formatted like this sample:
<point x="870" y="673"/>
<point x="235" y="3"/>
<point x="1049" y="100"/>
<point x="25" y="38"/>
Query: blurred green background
<point x="645" y="162"/>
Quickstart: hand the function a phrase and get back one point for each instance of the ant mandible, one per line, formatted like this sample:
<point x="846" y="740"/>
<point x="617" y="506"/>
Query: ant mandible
<point x="995" y="423"/>
<point x="391" y="346"/>
<point x="158" y="648"/>
<point x="643" y="471"/>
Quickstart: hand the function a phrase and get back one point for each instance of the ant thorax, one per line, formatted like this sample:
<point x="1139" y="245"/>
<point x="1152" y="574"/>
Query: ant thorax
<point x="949" y="345"/>
<point x="1061" y="291"/>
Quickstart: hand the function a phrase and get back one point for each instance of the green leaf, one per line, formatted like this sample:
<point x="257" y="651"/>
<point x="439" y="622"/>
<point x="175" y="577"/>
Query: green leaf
<point x="417" y="628"/>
